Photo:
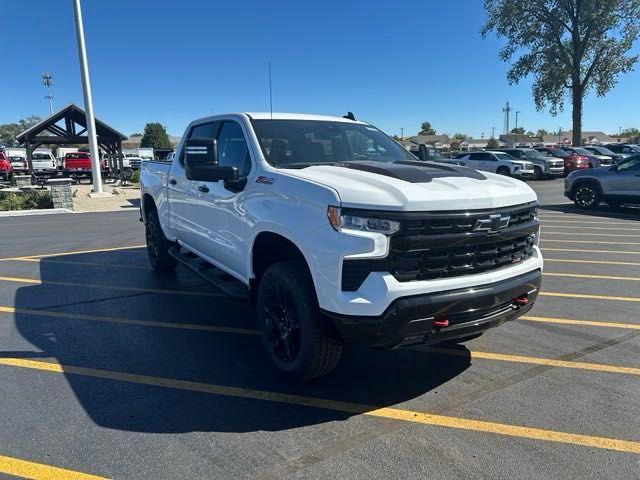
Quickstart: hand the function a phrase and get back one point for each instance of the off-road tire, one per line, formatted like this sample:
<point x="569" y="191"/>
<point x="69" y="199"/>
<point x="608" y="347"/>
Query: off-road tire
<point x="158" y="245"/>
<point x="538" y="174"/>
<point x="289" y="284"/>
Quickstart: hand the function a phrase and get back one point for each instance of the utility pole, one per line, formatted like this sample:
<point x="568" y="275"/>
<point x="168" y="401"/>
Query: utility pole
<point x="507" y="111"/>
<point x="88" y="102"/>
<point x="493" y="132"/>
<point x="481" y="134"/>
<point x="559" y="133"/>
<point x="401" y="133"/>
<point x="47" y="81"/>
<point x="517" y="113"/>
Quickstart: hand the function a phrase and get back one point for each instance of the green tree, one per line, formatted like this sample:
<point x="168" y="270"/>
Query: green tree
<point x="457" y="139"/>
<point x="541" y="132"/>
<point x="155" y="136"/>
<point x="632" y="133"/>
<point x="530" y="134"/>
<point x="518" y="131"/>
<point x="492" y="143"/>
<point x="569" y="46"/>
<point x="9" y="131"/>
<point x="426" y="129"/>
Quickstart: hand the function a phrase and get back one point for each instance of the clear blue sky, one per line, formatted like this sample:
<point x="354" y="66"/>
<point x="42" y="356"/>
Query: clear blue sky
<point x="394" y="64"/>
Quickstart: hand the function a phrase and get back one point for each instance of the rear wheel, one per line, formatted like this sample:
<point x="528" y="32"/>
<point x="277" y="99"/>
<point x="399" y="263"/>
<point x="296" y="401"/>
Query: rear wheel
<point x="158" y="245"/>
<point x="503" y="171"/>
<point x="587" y="195"/>
<point x="290" y="323"/>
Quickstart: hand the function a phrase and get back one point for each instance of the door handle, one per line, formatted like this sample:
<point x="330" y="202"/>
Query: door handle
<point x="173" y="181"/>
<point x="203" y="189"/>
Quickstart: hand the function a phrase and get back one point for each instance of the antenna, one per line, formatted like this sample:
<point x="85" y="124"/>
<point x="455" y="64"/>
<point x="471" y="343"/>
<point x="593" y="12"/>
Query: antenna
<point x="270" y="92"/>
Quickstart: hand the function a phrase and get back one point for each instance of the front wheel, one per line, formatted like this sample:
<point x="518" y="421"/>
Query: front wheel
<point x="290" y="323"/>
<point x="587" y="196"/>
<point x="503" y="171"/>
<point x="158" y="245"/>
<point x="538" y="175"/>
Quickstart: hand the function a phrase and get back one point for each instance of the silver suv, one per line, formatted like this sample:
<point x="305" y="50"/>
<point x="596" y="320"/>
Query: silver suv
<point x="615" y="185"/>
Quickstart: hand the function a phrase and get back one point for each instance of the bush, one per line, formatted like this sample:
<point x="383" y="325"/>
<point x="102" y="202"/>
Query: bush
<point x="26" y="200"/>
<point x="135" y="176"/>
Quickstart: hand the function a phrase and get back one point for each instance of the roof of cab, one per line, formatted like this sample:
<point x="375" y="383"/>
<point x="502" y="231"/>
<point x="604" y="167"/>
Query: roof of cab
<point x="297" y="116"/>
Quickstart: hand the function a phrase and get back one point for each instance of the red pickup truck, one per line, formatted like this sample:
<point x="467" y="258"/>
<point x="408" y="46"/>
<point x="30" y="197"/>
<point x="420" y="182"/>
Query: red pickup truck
<point x="5" y="166"/>
<point x="78" y="164"/>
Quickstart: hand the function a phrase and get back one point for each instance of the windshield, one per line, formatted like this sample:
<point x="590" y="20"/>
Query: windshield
<point x="582" y="151"/>
<point x="532" y="153"/>
<point x="41" y="156"/>
<point x="302" y="143"/>
<point x="16" y="159"/>
<point x="603" y="150"/>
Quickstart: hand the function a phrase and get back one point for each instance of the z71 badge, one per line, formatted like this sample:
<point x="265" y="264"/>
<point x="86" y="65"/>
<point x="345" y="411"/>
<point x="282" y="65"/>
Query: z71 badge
<point x="265" y="180"/>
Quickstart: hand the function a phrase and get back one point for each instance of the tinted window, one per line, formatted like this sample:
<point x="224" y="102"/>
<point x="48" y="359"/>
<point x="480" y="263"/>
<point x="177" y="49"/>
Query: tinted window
<point x="630" y="164"/>
<point x="207" y="130"/>
<point x="232" y="148"/>
<point x="504" y="157"/>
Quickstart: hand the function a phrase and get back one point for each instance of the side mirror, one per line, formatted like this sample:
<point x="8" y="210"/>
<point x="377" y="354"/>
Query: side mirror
<point x="201" y="162"/>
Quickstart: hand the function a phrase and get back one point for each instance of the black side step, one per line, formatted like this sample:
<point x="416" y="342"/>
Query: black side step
<point x="212" y="274"/>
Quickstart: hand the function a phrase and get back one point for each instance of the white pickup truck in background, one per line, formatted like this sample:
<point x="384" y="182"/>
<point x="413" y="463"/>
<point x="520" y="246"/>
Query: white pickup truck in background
<point x="336" y="234"/>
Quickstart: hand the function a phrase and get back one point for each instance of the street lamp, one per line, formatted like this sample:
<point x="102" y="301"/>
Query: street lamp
<point x="47" y="81"/>
<point x="88" y="102"/>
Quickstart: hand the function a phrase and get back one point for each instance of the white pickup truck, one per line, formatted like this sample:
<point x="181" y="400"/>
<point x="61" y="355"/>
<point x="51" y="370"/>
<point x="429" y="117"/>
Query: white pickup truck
<point x="336" y="234"/>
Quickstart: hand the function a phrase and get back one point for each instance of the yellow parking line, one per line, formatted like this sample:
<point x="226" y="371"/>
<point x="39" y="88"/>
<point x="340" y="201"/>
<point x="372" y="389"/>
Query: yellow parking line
<point x="39" y="471"/>
<point x="588" y="323"/>
<point x="594" y="228"/>
<point x="599" y="262"/>
<point x="589" y="297"/>
<point x="72" y="262"/>
<point x="588" y="241"/>
<point x="545" y="249"/>
<point x="599" y="277"/>
<point x="585" y="221"/>
<point x="126" y="321"/>
<point x="34" y="281"/>
<point x="77" y="252"/>
<point x="544" y="232"/>
<point x="340" y="406"/>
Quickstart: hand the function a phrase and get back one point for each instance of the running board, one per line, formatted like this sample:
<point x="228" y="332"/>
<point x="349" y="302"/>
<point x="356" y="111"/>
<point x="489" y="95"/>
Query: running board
<point x="212" y="274"/>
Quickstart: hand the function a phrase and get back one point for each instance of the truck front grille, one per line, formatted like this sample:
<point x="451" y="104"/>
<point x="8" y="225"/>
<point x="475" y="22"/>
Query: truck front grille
<point x="449" y="244"/>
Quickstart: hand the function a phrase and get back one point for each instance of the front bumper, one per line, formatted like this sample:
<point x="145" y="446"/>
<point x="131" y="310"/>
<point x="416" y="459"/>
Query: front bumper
<point x="471" y="310"/>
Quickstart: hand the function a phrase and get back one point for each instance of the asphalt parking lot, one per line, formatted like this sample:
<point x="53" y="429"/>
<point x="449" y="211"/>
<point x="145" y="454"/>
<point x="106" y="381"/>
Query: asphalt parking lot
<point x="110" y="370"/>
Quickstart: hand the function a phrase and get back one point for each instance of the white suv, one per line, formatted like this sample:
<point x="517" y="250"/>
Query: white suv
<point x="496" y="162"/>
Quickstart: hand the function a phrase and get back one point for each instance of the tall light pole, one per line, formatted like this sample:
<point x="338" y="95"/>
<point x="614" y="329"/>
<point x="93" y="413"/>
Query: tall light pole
<point x="88" y="102"/>
<point x="401" y="133"/>
<point x="47" y="81"/>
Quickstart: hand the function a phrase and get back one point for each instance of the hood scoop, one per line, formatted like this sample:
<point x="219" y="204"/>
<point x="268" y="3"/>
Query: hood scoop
<point x="413" y="172"/>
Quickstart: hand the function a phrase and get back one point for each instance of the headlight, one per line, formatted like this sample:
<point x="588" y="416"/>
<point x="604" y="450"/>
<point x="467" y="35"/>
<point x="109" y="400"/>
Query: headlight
<point x="340" y="222"/>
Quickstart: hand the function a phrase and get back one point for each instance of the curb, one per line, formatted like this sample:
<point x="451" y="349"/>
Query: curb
<point x="30" y="213"/>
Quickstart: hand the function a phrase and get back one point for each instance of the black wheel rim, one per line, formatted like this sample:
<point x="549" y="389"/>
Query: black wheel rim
<point x="152" y="240"/>
<point x="585" y="196"/>
<point x="281" y="323"/>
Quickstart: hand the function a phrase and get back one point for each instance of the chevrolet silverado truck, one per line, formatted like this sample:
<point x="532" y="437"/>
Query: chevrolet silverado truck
<point x="336" y="234"/>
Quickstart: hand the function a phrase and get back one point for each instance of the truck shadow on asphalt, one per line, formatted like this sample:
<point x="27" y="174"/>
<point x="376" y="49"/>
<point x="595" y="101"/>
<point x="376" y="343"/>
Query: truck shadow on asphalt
<point x="364" y="377"/>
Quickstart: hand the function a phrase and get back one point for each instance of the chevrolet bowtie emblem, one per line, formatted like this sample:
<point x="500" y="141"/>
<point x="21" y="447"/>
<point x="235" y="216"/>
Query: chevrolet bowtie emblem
<point x="493" y="224"/>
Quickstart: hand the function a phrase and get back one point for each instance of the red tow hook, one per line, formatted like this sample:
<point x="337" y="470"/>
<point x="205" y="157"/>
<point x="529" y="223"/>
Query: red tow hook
<point x="442" y="322"/>
<point x="521" y="301"/>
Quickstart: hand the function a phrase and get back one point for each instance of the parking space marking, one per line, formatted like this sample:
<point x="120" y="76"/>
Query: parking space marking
<point x="335" y="405"/>
<point x="126" y="321"/>
<point x="598" y="277"/>
<point x="589" y="297"/>
<point x="549" y="362"/>
<point x="544" y="232"/>
<point x="77" y="252"/>
<point x="544" y="240"/>
<point x="585" y="221"/>
<point x="475" y="355"/>
<point x="546" y="249"/>
<point x="588" y="323"/>
<point x="39" y="471"/>
<point x="35" y="281"/>
<point x="612" y="229"/>
<point x="598" y="262"/>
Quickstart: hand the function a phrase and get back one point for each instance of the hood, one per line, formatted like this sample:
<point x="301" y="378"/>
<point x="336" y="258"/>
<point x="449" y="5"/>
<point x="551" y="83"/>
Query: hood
<point x="418" y="187"/>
